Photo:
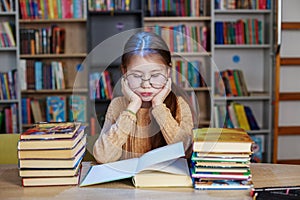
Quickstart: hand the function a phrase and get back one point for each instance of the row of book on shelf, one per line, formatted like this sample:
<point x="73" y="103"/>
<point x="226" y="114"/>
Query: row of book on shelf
<point x="7" y="36"/>
<point x="235" y="115"/>
<point x="191" y="8"/>
<point x="110" y="5"/>
<point x="7" y="5"/>
<point x="58" y="9"/>
<point x="243" y="4"/>
<point x="101" y="85"/>
<point x="231" y="82"/>
<point x="46" y="40"/>
<point x="54" y="109"/>
<point x="7" y="85"/>
<point x="242" y="31"/>
<point x="39" y="75"/>
<point x="9" y="118"/>
<point x="182" y="37"/>
<point x="51" y="154"/>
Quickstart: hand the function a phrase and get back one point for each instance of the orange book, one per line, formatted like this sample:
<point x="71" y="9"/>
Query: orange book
<point x="233" y="88"/>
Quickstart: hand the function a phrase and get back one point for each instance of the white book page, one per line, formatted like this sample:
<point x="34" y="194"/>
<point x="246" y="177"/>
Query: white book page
<point x="111" y="171"/>
<point x="177" y="166"/>
<point x="159" y="155"/>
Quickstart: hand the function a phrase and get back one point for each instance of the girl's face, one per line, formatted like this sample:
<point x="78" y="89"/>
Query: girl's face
<point x="147" y="77"/>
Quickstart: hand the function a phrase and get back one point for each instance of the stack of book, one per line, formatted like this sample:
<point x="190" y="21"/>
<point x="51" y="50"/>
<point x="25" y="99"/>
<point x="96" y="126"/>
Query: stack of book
<point x="51" y="154"/>
<point x="221" y="159"/>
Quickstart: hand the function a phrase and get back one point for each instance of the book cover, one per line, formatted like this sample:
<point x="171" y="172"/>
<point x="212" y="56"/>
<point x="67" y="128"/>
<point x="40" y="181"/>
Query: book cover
<point x="160" y="160"/>
<point x="52" y="143"/>
<point x="221" y="184"/>
<point x="56" y="108"/>
<point x="51" y="130"/>
<point x="221" y="140"/>
<point x="77" y="108"/>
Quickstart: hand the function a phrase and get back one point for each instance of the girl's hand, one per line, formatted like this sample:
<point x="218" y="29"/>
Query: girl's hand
<point x="135" y="102"/>
<point x="161" y="96"/>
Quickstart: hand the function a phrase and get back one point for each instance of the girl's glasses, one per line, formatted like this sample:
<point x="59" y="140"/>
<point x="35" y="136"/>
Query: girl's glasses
<point x="157" y="80"/>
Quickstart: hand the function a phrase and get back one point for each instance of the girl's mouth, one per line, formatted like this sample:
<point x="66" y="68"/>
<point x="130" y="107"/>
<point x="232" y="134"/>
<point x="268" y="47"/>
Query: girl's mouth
<point x="146" y="94"/>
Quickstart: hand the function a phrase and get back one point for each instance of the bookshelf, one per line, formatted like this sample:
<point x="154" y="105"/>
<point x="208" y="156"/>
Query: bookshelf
<point x="191" y="24"/>
<point x="54" y="47"/>
<point x="105" y="46"/>
<point x="287" y="91"/>
<point x="10" y="117"/>
<point x="253" y="55"/>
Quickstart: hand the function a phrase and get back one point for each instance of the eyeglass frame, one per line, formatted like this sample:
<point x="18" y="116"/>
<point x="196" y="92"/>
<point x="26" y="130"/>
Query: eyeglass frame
<point x="143" y="80"/>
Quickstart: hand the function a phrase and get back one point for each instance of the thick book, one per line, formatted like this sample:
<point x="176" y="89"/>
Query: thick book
<point x="52" y="143"/>
<point x="147" y="170"/>
<point x="50" y="172"/>
<point x="52" y="163"/>
<point x="64" y="153"/>
<point x="51" y="130"/>
<point x="221" y="140"/>
<point x="51" y="181"/>
<point x="222" y="184"/>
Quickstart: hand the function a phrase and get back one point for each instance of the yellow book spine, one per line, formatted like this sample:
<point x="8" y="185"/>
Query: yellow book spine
<point x="241" y="116"/>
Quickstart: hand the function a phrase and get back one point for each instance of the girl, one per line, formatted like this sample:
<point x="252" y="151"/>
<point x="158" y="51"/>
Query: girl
<point x="149" y="115"/>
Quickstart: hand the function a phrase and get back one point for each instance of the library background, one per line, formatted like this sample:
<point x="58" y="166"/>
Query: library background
<point x="237" y="61"/>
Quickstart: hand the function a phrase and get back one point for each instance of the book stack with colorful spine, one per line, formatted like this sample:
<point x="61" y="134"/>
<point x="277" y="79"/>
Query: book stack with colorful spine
<point x="51" y="154"/>
<point x="221" y="159"/>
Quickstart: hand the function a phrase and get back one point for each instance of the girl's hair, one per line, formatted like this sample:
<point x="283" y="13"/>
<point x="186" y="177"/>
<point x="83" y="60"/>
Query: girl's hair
<point x="147" y="44"/>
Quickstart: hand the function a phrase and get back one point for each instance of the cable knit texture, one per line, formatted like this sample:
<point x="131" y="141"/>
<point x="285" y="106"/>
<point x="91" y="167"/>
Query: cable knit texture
<point x="125" y="135"/>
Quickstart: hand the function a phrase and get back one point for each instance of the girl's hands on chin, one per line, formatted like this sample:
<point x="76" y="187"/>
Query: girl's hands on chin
<point x="134" y="99"/>
<point x="161" y="96"/>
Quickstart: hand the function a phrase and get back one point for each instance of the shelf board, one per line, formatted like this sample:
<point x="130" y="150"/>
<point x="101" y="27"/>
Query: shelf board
<point x="115" y="12"/>
<point x="259" y="132"/>
<point x="177" y="19"/>
<point x="51" y="56"/>
<point x="9" y="101"/>
<point x="243" y="98"/>
<point x="289" y="130"/>
<point x="289" y="96"/>
<point x="7" y="13"/>
<point x="197" y="89"/>
<point x="242" y="46"/>
<point x="65" y="91"/>
<point x="41" y="21"/>
<point x="243" y="11"/>
<point x="190" y="54"/>
<point x="8" y="48"/>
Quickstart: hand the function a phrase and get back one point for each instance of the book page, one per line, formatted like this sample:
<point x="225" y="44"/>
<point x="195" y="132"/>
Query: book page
<point x="110" y="172"/>
<point x="177" y="166"/>
<point x="159" y="155"/>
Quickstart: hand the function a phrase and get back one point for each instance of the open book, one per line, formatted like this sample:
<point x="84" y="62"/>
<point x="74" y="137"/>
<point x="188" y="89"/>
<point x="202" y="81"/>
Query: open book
<point x="161" y="167"/>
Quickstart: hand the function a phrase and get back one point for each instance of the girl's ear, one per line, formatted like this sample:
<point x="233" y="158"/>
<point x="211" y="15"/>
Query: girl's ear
<point x="169" y="70"/>
<point x="123" y="69"/>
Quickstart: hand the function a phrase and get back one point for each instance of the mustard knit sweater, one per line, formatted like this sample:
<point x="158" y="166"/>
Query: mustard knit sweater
<point x="125" y="135"/>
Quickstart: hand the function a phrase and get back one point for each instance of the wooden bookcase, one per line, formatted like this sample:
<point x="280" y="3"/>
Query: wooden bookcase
<point x="173" y="23"/>
<point x="105" y="47"/>
<point x="75" y="77"/>
<point x="286" y="89"/>
<point x="9" y="55"/>
<point x="256" y="60"/>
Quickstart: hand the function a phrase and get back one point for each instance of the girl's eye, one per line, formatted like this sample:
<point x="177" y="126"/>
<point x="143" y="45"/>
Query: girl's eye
<point x="156" y="75"/>
<point x="137" y="76"/>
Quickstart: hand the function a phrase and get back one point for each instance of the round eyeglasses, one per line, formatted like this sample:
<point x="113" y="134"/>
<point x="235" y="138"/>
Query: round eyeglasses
<point x="156" y="81"/>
